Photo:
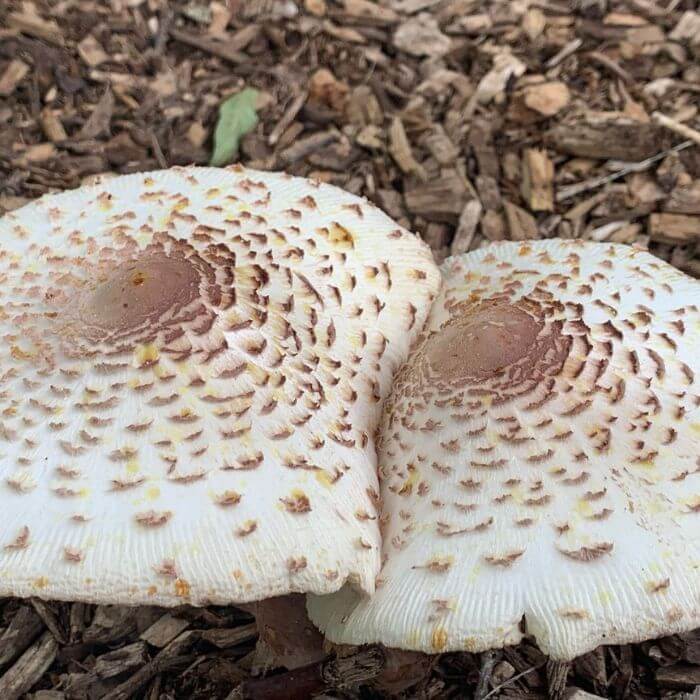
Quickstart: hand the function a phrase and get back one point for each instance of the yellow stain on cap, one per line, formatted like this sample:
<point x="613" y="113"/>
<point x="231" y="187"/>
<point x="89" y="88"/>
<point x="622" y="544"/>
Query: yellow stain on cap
<point x="182" y="588"/>
<point x="323" y="477"/>
<point x="340" y="237"/>
<point x="408" y="485"/>
<point x="438" y="639"/>
<point x="147" y="354"/>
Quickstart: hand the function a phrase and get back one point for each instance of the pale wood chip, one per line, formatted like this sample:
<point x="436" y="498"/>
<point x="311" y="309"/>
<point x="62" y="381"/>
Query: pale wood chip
<point x="493" y="225"/>
<point x="547" y="98"/>
<point x="466" y="227"/>
<point x="538" y="178"/>
<point x="91" y="51"/>
<point x="12" y="76"/>
<point x="400" y="150"/>
<point x="371" y="10"/>
<point x="521" y="225"/>
<point x="52" y="126"/>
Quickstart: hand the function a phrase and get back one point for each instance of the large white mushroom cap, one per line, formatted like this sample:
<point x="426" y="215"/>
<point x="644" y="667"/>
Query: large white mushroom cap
<point x="540" y="459"/>
<point x="191" y="370"/>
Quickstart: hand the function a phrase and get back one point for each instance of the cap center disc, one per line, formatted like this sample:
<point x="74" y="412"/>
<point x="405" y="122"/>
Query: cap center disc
<point x="139" y="291"/>
<point x="482" y="342"/>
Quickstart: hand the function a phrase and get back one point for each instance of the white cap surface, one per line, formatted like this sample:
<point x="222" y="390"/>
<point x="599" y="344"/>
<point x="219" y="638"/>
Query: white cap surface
<point x="540" y="459"/>
<point x="191" y="369"/>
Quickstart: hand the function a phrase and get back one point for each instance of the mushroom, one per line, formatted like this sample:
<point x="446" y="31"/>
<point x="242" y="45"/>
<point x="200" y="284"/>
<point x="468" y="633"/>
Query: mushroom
<point x="539" y="459"/>
<point x="191" y="373"/>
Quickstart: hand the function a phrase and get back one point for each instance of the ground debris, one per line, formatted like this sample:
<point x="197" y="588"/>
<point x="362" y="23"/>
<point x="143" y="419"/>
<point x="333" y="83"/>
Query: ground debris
<point x="403" y="101"/>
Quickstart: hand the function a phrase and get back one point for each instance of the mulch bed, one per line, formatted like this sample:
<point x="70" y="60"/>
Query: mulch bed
<point x="466" y="121"/>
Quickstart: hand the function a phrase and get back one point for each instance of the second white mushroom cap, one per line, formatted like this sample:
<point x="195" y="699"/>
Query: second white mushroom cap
<point x="540" y="459"/>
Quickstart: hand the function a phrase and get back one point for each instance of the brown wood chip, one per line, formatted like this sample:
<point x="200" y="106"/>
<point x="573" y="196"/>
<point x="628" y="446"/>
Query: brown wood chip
<point x="674" y="228"/>
<point x="30" y="667"/>
<point x="164" y="630"/>
<point x="618" y="138"/>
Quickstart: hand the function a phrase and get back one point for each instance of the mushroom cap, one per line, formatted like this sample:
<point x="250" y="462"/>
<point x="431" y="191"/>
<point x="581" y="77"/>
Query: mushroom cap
<point x="539" y="459"/>
<point x="191" y="373"/>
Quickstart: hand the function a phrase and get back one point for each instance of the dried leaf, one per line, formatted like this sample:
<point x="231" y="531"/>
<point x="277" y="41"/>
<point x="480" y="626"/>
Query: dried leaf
<point x="237" y="117"/>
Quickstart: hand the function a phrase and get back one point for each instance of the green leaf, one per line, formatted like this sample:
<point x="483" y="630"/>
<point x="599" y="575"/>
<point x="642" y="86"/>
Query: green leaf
<point x="237" y="117"/>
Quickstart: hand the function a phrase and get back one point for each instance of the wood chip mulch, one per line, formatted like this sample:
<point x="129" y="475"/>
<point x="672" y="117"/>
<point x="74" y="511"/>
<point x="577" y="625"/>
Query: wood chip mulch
<point x="468" y="121"/>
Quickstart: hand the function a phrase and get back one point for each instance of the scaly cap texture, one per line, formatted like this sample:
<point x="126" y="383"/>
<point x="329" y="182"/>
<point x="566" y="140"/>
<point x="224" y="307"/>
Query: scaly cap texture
<point x="539" y="459"/>
<point x="191" y="373"/>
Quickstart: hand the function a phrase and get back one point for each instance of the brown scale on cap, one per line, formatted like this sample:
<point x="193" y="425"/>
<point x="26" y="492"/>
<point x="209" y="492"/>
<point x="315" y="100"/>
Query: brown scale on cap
<point x="172" y="343"/>
<point x="545" y="388"/>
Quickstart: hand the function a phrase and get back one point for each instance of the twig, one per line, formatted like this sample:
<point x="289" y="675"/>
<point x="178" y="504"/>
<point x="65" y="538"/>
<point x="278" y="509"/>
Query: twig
<point x="571" y="191"/>
<point x="157" y="150"/>
<point x="207" y="45"/>
<point x="570" y="48"/>
<point x="678" y="128"/>
<point x="304" y="147"/>
<point x="602" y="233"/>
<point x="161" y="38"/>
<point x="287" y="118"/>
<point x="512" y="680"/>
<point x="611" y="65"/>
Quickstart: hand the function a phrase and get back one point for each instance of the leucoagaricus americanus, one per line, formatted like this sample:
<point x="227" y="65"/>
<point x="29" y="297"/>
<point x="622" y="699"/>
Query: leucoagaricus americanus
<point x="539" y="459"/>
<point x="191" y="373"/>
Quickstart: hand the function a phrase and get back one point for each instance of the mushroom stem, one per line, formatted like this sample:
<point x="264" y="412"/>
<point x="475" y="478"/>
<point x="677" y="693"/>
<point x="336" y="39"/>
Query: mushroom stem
<point x="286" y="636"/>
